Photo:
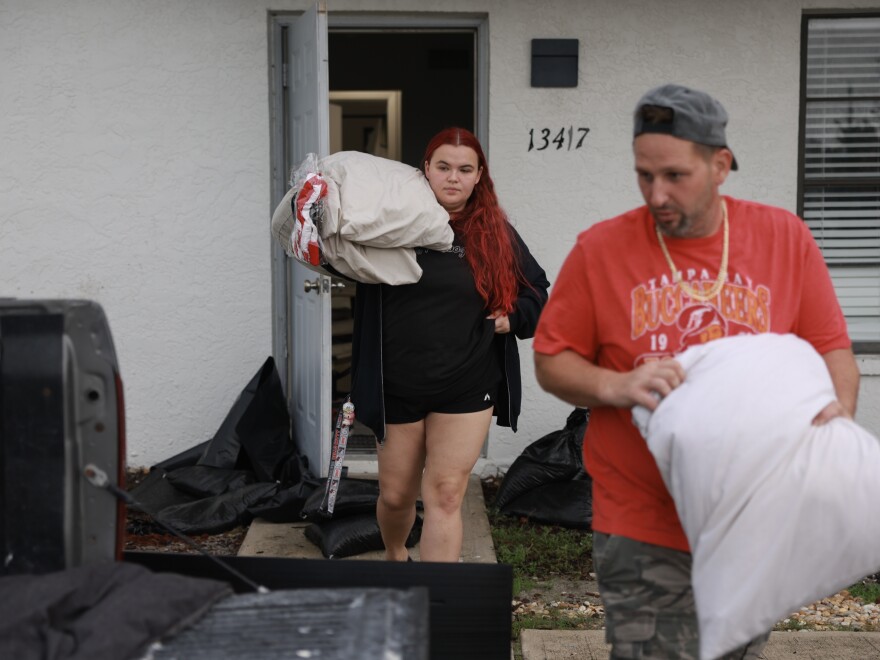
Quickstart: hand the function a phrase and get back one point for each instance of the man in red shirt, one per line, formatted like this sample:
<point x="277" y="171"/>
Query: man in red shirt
<point x="688" y="267"/>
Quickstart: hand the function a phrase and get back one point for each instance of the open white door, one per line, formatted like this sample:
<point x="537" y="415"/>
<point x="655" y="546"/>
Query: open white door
<point x="304" y="336"/>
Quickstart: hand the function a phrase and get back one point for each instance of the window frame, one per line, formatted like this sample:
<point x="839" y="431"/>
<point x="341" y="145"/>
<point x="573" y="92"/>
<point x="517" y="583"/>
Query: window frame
<point x="859" y="346"/>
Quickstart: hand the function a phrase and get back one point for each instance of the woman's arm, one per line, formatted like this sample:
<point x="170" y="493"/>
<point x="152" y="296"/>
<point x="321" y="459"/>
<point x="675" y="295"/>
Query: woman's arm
<point x="532" y="296"/>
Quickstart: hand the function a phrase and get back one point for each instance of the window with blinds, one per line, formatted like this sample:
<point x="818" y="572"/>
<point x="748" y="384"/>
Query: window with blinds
<point x="840" y="137"/>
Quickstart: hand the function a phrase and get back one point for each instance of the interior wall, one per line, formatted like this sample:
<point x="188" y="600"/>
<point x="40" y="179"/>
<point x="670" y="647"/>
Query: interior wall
<point x="434" y="71"/>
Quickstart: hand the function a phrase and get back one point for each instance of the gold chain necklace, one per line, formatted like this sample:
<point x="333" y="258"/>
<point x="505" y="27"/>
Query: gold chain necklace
<point x="722" y="271"/>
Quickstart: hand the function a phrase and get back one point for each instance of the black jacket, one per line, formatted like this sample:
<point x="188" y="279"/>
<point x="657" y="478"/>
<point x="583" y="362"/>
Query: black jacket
<point x="366" y="393"/>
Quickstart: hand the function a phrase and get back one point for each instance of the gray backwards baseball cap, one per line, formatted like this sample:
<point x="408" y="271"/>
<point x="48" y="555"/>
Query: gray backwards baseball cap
<point x="696" y="116"/>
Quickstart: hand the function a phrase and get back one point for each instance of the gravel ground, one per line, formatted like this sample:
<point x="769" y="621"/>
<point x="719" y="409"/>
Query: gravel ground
<point x="838" y="612"/>
<point x="142" y="533"/>
<point x="579" y="602"/>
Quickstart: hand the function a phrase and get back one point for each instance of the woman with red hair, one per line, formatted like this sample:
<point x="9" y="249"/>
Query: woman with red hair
<point x="435" y="360"/>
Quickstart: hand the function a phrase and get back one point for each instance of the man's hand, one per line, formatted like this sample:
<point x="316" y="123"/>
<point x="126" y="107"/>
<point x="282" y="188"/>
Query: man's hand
<point x="642" y="385"/>
<point x="829" y="412"/>
<point x="579" y="382"/>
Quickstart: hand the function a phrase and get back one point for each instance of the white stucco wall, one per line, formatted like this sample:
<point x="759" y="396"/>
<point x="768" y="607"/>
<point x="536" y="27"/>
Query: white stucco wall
<point x="134" y="167"/>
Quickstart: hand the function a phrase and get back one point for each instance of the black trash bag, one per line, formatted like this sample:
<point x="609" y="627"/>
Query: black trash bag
<point x="555" y="457"/>
<point x="155" y="493"/>
<point x="287" y="504"/>
<point x="258" y="398"/>
<point x="354" y="535"/>
<point x="353" y="497"/>
<point x="563" y="503"/>
<point x="217" y="514"/>
<point x="205" y="481"/>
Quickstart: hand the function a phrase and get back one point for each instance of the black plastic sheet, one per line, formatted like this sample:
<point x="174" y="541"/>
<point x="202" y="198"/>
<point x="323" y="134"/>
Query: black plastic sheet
<point x="212" y="515"/>
<point x="205" y="481"/>
<point x="258" y="423"/>
<point x="249" y="468"/>
<point x="285" y="505"/>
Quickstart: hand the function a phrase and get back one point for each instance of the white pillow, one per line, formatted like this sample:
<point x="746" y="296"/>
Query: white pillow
<point x="382" y="203"/>
<point x="778" y="513"/>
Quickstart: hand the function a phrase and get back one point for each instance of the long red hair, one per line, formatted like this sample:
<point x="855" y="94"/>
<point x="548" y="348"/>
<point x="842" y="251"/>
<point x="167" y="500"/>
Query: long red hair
<point x="489" y="245"/>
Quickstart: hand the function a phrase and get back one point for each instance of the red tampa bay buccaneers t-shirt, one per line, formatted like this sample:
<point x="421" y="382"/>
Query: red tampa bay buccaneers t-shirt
<point x="615" y="304"/>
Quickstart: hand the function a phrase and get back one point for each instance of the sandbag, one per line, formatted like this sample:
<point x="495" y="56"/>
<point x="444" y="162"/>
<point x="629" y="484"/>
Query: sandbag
<point x="353" y="535"/>
<point x="354" y="496"/>
<point x="563" y="503"/>
<point x="555" y="457"/>
<point x="778" y="513"/>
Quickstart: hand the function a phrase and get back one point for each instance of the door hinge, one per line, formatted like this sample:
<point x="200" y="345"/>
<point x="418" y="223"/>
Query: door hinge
<point x="284" y="75"/>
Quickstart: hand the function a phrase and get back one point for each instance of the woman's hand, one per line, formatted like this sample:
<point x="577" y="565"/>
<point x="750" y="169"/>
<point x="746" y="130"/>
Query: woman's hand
<point x="502" y="323"/>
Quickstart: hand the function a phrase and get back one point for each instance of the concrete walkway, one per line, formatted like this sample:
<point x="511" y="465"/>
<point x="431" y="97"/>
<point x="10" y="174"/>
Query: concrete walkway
<point x="803" y="645"/>
<point x="288" y="540"/>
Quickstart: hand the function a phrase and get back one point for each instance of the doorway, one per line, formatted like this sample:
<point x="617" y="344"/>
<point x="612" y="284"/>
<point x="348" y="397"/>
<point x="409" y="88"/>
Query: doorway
<point x="431" y="70"/>
<point x="409" y="86"/>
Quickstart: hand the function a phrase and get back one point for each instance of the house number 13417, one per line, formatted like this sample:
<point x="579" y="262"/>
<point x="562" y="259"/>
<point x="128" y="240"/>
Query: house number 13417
<point x="567" y="137"/>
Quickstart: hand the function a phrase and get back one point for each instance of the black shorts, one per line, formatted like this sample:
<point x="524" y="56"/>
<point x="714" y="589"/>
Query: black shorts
<point x="405" y="410"/>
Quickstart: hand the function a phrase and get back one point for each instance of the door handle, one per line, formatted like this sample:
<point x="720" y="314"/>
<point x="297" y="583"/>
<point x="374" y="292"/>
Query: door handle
<point x="316" y="285"/>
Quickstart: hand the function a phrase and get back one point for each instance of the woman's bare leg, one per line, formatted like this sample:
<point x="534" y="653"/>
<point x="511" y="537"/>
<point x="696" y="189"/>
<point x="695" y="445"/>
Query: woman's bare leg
<point x="453" y="445"/>
<point x="401" y="461"/>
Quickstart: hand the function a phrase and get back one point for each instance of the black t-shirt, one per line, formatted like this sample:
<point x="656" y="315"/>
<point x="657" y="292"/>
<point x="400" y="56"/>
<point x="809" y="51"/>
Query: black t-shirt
<point x="435" y="334"/>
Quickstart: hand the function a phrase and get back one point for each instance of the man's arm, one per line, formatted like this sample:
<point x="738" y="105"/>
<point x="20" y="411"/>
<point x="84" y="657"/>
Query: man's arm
<point x="579" y="382"/>
<point x="845" y="375"/>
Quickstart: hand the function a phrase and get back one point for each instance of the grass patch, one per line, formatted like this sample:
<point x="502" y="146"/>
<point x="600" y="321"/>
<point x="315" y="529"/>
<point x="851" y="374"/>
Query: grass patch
<point x="869" y="592"/>
<point x="539" y="554"/>
<point x="792" y="625"/>
<point x="523" y="583"/>
<point x="537" y="551"/>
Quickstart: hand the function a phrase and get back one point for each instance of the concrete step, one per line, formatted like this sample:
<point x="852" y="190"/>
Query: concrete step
<point x="801" y="645"/>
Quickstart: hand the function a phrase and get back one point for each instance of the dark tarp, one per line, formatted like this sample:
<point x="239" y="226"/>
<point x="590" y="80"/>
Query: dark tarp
<point x="250" y="467"/>
<point x="105" y="610"/>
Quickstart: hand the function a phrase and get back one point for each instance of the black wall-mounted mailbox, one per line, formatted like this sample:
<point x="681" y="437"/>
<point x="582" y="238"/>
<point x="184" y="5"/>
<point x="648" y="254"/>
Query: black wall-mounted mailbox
<point x="554" y="62"/>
